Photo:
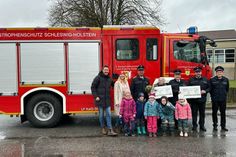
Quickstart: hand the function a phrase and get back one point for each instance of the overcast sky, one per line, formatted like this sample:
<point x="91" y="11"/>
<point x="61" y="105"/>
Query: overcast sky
<point x="205" y="14"/>
<point x="179" y="14"/>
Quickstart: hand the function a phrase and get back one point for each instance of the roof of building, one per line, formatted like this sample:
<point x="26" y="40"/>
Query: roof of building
<point x="220" y="34"/>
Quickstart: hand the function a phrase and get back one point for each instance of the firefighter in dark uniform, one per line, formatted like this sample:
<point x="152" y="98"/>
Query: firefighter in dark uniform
<point x="139" y="83"/>
<point x="175" y="84"/>
<point x="219" y="89"/>
<point x="199" y="104"/>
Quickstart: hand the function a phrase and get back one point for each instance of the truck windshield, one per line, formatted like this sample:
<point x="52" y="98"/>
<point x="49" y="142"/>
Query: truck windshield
<point x="187" y="51"/>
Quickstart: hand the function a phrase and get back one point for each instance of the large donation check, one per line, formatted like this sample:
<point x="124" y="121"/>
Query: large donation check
<point x="163" y="91"/>
<point x="190" y="91"/>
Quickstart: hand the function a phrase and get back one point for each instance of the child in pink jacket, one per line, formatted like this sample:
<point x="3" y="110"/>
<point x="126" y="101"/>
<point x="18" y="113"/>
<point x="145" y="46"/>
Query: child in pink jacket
<point x="183" y="114"/>
<point x="128" y="113"/>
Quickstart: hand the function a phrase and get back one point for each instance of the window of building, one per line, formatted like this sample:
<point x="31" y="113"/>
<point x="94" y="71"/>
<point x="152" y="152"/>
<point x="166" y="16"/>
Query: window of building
<point x="209" y="55"/>
<point x="221" y="55"/>
<point x="229" y="55"/>
<point x="127" y="49"/>
<point x="151" y="49"/>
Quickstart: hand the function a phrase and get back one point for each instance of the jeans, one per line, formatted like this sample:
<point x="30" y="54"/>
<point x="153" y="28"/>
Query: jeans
<point x="118" y="121"/>
<point x="129" y="127"/>
<point x="108" y="116"/>
<point x="183" y="125"/>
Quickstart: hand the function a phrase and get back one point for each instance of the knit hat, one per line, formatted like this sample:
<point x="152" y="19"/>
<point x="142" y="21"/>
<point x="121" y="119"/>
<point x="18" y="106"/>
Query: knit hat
<point x="181" y="96"/>
<point x="152" y="95"/>
<point x="140" y="94"/>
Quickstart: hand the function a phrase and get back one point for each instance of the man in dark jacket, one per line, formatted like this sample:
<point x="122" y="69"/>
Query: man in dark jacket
<point x="175" y="84"/>
<point x="101" y="92"/>
<point x="199" y="104"/>
<point x="139" y="83"/>
<point x="219" y="90"/>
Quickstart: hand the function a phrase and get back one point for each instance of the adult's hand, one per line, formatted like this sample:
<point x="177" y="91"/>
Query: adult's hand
<point x="97" y="98"/>
<point x="203" y="91"/>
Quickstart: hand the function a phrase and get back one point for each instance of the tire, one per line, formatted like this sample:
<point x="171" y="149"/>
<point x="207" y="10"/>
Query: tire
<point x="44" y="110"/>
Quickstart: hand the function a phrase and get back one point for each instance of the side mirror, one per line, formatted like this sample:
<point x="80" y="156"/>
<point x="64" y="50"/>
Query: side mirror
<point x="213" y="44"/>
<point x="204" y="59"/>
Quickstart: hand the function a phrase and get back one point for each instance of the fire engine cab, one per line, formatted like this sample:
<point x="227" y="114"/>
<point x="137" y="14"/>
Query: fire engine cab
<point x="47" y="72"/>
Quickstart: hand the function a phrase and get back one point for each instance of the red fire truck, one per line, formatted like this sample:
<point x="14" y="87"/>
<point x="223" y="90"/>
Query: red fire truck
<point x="47" y="72"/>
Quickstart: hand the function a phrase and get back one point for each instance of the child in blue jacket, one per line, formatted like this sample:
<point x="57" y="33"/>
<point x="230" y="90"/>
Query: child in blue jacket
<point x="152" y="112"/>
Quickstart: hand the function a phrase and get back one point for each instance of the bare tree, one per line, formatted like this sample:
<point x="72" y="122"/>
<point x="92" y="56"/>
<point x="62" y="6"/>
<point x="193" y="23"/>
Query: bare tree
<point x="105" y="12"/>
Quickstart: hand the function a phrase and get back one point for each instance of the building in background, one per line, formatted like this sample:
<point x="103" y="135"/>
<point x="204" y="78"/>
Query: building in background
<point x="224" y="53"/>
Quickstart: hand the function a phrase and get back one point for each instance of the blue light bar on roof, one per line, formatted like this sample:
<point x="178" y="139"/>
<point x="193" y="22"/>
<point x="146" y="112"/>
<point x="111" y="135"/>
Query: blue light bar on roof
<point x="192" y="30"/>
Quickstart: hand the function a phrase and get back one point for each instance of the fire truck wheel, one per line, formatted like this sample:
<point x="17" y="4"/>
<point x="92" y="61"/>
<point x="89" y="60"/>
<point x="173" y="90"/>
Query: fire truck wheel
<point x="44" y="110"/>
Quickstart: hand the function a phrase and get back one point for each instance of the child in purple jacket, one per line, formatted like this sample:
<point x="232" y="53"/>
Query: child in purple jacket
<point x="128" y="112"/>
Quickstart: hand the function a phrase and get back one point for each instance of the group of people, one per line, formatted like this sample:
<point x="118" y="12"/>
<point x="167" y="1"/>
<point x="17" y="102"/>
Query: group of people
<point x="136" y="108"/>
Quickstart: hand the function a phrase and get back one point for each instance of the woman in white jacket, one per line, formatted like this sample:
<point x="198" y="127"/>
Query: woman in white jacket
<point x="121" y="85"/>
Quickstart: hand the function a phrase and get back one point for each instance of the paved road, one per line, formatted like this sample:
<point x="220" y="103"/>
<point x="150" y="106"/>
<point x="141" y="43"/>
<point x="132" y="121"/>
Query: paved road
<point x="80" y="136"/>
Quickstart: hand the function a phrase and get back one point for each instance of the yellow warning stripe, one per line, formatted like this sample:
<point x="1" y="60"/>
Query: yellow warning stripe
<point x="74" y="112"/>
<point x="81" y="28"/>
<point x="84" y="112"/>
<point x="81" y="112"/>
<point x="178" y="36"/>
<point x="74" y="28"/>
<point x="54" y="28"/>
<point x="25" y="29"/>
<point x="13" y="113"/>
<point x="164" y="62"/>
<point x="43" y="85"/>
<point x="146" y="28"/>
<point x="131" y="28"/>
